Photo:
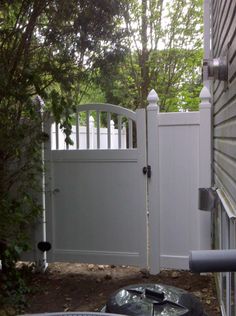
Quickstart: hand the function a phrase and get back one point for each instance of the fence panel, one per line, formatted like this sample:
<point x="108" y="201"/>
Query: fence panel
<point x="178" y="169"/>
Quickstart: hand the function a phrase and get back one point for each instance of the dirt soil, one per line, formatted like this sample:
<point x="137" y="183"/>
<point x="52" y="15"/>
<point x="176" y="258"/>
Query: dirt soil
<point x="80" y="287"/>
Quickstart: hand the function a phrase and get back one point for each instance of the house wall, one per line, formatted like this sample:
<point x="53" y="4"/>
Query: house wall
<point x="222" y="42"/>
<point x="224" y="98"/>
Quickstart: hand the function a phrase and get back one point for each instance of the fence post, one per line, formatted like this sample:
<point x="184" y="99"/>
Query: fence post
<point x="153" y="183"/>
<point x="40" y="225"/>
<point x="205" y="148"/>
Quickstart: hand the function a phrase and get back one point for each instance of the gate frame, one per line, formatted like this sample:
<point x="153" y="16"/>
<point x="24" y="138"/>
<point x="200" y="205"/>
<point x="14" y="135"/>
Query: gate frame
<point x="152" y="194"/>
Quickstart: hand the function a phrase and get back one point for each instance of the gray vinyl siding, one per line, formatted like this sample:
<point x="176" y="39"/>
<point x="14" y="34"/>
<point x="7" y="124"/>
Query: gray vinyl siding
<point x="224" y="97"/>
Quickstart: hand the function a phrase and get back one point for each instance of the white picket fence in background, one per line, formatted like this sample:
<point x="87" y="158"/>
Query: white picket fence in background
<point x="114" y="137"/>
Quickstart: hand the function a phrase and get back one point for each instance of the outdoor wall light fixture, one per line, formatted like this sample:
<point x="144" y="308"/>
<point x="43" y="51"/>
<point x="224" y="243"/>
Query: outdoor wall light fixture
<point x="215" y="69"/>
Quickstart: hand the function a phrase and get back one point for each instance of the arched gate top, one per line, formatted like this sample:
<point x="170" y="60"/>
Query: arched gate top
<point x="109" y="108"/>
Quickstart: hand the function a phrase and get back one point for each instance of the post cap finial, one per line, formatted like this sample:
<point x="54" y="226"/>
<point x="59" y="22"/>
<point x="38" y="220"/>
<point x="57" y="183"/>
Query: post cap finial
<point x="153" y="97"/>
<point x="205" y="93"/>
<point x="153" y="101"/>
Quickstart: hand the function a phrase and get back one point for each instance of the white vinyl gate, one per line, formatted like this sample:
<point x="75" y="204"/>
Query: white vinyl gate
<point x="99" y="207"/>
<point x="96" y="203"/>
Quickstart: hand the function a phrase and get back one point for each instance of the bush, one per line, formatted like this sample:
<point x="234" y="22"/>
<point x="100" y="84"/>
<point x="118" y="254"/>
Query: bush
<point x="21" y="139"/>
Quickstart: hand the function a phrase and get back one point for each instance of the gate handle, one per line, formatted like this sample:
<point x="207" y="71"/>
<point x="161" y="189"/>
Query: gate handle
<point x="147" y="170"/>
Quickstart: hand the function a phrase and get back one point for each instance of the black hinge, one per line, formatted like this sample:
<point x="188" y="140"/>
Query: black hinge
<point x="44" y="246"/>
<point x="148" y="171"/>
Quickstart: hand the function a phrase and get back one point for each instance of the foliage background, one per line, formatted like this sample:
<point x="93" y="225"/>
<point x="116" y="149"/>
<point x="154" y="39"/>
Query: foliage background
<point x="47" y="48"/>
<point x="164" y="52"/>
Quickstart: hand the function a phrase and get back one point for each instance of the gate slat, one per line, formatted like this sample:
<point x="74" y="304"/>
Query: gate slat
<point x="108" y="130"/>
<point x="119" y="130"/>
<point x="77" y="130"/>
<point x="130" y="134"/>
<point x="57" y="136"/>
<point x="98" y="130"/>
<point x="87" y="129"/>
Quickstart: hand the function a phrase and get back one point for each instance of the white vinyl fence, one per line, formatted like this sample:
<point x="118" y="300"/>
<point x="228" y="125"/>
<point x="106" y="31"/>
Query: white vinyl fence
<point x="178" y="162"/>
<point x="146" y="188"/>
<point x="184" y="166"/>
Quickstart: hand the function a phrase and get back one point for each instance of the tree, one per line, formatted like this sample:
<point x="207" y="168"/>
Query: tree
<point x="164" y="52"/>
<point x="47" y="48"/>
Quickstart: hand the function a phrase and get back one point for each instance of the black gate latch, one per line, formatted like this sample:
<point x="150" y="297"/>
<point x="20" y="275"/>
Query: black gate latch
<point x="147" y="170"/>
